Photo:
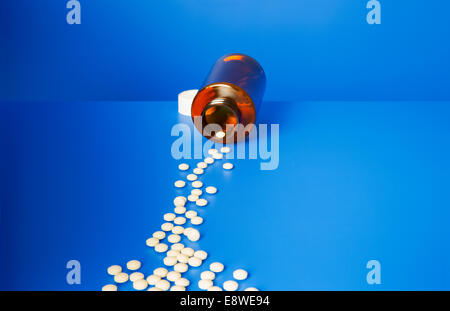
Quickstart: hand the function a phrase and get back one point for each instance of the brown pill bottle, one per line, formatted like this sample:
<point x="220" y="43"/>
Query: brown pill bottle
<point x="224" y="109"/>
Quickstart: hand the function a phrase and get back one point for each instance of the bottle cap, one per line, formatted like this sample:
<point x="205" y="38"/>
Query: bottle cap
<point x="185" y="100"/>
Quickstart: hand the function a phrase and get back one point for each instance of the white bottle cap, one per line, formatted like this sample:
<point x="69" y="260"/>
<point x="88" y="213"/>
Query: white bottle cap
<point x="185" y="100"/>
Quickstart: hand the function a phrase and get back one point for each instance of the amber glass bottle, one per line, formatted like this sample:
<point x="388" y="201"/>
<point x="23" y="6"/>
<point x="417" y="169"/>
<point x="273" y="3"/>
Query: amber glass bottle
<point x="229" y="97"/>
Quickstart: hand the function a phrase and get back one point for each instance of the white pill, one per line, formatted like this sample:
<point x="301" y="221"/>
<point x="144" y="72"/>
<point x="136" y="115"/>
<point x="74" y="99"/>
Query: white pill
<point x="161" y="247"/>
<point x="183" y="167"/>
<point x="177" y="246"/>
<point x="240" y="274"/>
<point x="216" y="267"/>
<point x="227" y="166"/>
<point x="182" y="282"/>
<point x="197" y="184"/>
<point x="251" y="289"/>
<point x="109" y="288"/>
<point x="190" y="214"/>
<point x="136" y="276"/>
<point x="167" y="226"/>
<point x="183" y="258"/>
<point x="202" y="165"/>
<point x="161" y="272"/>
<point x="195" y="262"/>
<point x="180" y="210"/>
<point x="225" y="149"/>
<point x="174" y="238"/>
<point x="173" y="276"/>
<point x="209" y="160"/>
<point x="179" y="201"/>
<point x="152" y="242"/>
<point x="114" y="269"/>
<point x="163" y="284"/>
<point x="212" y="151"/>
<point x="214" y="289"/>
<point x="207" y="275"/>
<point x="180" y="183"/>
<point x="194" y="235"/>
<point x="188" y="251"/>
<point x="201" y="202"/>
<point x="170" y="261"/>
<point x="191" y="177"/>
<point x="197" y="220"/>
<point x="230" y="285"/>
<point x="187" y="230"/>
<point x="198" y="171"/>
<point x="177" y="288"/>
<point x="201" y="254"/>
<point x="205" y="284"/>
<point x="180" y="267"/>
<point x="177" y="230"/>
<point x="154" y="289"/>
<point x="140" y="284"/>
<point x="169" y="216"/>
<point x="159" y="235"/>
<point x="217" y="156"/>
<point x="121" y="277"/>
<point x="193" y="198"/>
<point x="173" y="253"/>
<point x="197" y="192"/>
<point x="153" y="279"/>
<point x="179" y="220"/>
<point x="133" y="265"/>
<point x="220" y="134"/>
<point x="211" y="190"/>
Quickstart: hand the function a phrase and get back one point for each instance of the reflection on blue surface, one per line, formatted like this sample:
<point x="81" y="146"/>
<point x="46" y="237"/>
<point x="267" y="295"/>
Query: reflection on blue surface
<point x="357" y="181"/>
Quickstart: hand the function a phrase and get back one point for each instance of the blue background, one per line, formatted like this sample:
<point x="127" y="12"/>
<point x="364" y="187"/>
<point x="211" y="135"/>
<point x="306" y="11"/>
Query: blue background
<point x="87" y="170"/>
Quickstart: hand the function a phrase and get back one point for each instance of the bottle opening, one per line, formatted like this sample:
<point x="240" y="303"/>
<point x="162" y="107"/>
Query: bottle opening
<point x="221" y="111"/>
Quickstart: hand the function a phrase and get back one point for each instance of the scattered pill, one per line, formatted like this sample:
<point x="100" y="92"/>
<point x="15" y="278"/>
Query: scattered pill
<point x="161" y="272"/>
<point x="217" y="156"/>
<point x="133" y="265"/>
<point x="202" y="165"/>
<point x="174" y="238"/>
<point x="109" y="288"/>
<point x="173" y="253"/>
<point x="198" y="171"/>
<point x="205" y="284"/>
<point x="197" y="184"/>
<point x="136" y="276"/>
<point x="230" y="285"/>
<point x="114" y="269"/>
<point x="179" y="201"/>
<point x="179" y="220"/>
<point x="159" y="235"/>
<point x="153" y="279"/>
<point x="170" y="261"/>
<point x="183" y="167"/>
<point x="177" y="246"/>
<point x="167" y="226"/>
<point x="251" y="289"/>
<point x="187" y="230"/>
<point x="173" y="276"/>
<point x="190" y="214"/>
<point x="240" y="274"/>
<point x="140" y="284"/>
<point x="188" y="251"/>
<point x="201" y="202"/>
<point x="169" y="216"/>
<point x="163" y="284"/>
<point x="177" y="230"/>
<point x="177" y="288"/>
<point x="180" y="210"/>
<point x="182" y="282"/>
<point x="161" y="247"/>
<point x="183" y="258"/>
<point x="227" y="166"/>
<point x="197" y="220"/>
<point x="121" y="277"/>
<point x="225" y="149"/>
<point x="180" y="183"/>
<point x="193" y="198"/>
<point x="211" y="190"/>
<point x="152" y="242"/>
<point x="214" y="289"/>
<point x="209" y="160"/>
<point x="195" y="262"/>
<point x="181" y="267"/>
<point x="220" y="134"/>
<point x="191" y="177"/>
<point x="194" y="235"/>
<point x="212" y="151"/>
<point x="201" y="254"/>
<point x="207" y="275"/>
<point x="216" y="267"/>
<point x="197" y="192"/>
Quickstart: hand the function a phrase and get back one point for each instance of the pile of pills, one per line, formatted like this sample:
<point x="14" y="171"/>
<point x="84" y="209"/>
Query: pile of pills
<point x="176" y="227"/>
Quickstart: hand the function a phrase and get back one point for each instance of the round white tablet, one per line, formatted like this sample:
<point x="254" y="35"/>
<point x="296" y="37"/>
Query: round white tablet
<point x="180" y="267"/>
<point x="193" y="198"/>
<point x="211" y="190"/>
<point x="140" y="284"/>
<point x="114" y="269"/>
<point x="109" y="288"/>
<point x="136" y="276"/>
<point x="194" y="235"/>
<point x="179" y="220"/>
<point x="191" y="177"/>
<point x="240" y="274"/>
<point x="227" y="166"/>
<point x="201" y="202"/>
<point x="163" y="284"/>
<point x="174" y="238"/>
<point x="214" y="289"/>
<point x="187" y="230"/>
<point x="179" y="201"/>
<point x="212" y="151"/>
<point x="195" y="262"/>
<point x="217" y="156"/>
<point x="170" y="261"/>
<point x="169" y="216"/>
<point x="177" y="246"/>
<point x="154" y="289"/>
<point x="153" y="279"/>
<point x="180" y="183"/>
<point x="152" y="242"/>
<point x="251" y="289"/>
<point x="207" y="275"/>
<point x="197" y="184"/>
<point x="201" y="254"/>
<point x="173" y="253"/>
<point x="177" y="230"/>
<point x="121" y="277"/>
<point x="161" y="247"/>
<point x="202" y="165"/>
<point x="173" y="276"/>
<point x="159" y="235"/>
<point x="161" y="272"/>
<point x="205" y="284"/>
<point x="177" y="288"/>
<point x="216" y="267"/>
<point x="225" y="149"/>
<point x="197" y="220"/>
<point x="198" y="171"/>
<point x="167" y="226"/>
<point x="182" y="258"/>
<point x="230" y="285"/>
<point x="182" y="282"/>
<point x="196" y="192"/>
<point x="133" y="265"/>
<point x="180" y="210"/>
<point x="188" y="251"/>
<point x="183" y="167"/>
<point x="209" y="160"/>
<point x="190" y="214"/>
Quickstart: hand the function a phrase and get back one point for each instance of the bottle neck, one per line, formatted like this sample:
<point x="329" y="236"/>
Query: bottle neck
<point x="220" y="118"/>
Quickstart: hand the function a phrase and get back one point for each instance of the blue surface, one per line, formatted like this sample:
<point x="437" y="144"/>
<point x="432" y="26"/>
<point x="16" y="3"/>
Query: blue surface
<point x="356" y="181"/>
<point x="151" y="50"/>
